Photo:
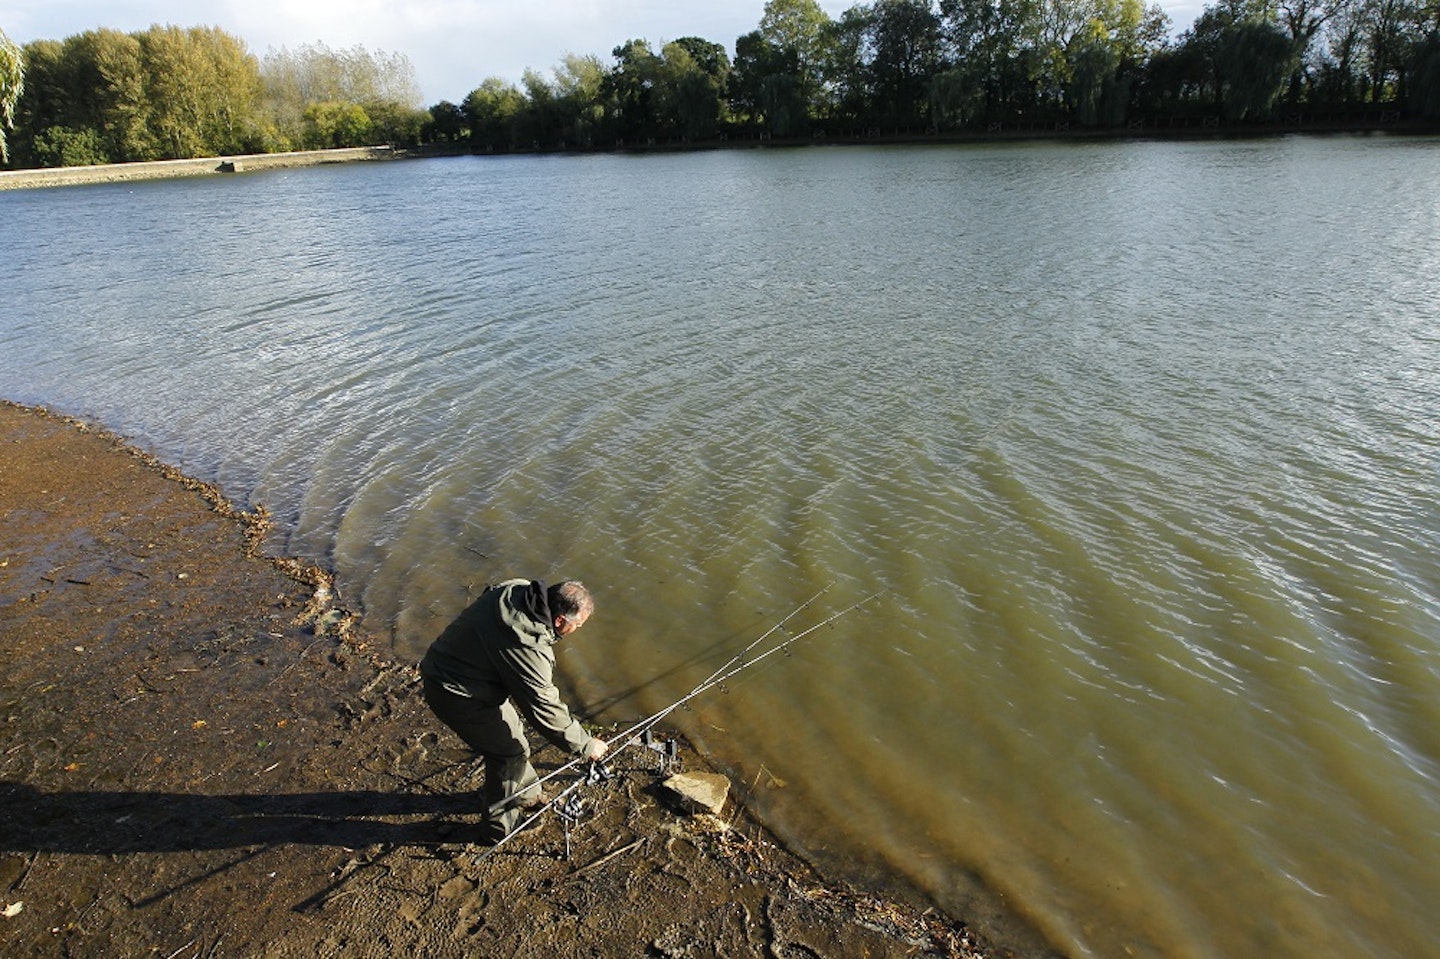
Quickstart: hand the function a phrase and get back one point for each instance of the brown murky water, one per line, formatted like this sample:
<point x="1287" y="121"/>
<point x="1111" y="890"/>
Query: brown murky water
<point x="1137" y="440"/>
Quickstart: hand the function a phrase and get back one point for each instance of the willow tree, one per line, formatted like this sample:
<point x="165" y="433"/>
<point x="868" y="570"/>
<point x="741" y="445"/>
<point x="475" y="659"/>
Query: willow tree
<point x="12" y="83"/>
<point x="382" y="83"/>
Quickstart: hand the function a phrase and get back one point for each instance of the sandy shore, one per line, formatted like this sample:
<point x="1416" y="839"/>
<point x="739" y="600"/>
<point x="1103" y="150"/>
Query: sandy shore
<point x="204" y="757"/>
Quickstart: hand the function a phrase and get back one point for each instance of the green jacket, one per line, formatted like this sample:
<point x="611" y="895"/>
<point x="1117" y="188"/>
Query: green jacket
<point x="502" y="648"/>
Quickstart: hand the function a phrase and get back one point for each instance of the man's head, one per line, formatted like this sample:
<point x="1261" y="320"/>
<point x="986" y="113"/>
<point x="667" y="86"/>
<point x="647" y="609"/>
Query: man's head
<point x="570" y="604"/>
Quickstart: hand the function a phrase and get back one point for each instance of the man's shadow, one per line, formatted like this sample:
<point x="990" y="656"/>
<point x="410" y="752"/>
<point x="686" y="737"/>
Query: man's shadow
<point x="115" y="823"/>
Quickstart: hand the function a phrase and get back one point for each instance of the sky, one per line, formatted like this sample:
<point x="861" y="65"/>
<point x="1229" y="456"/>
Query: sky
<point x="453" y="44"/>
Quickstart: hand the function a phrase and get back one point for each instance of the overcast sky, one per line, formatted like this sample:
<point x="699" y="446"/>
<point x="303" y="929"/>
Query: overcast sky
<point x="454" y="44"/>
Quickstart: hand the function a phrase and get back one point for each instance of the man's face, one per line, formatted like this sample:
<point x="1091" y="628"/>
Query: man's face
<point x="565" y="625"/>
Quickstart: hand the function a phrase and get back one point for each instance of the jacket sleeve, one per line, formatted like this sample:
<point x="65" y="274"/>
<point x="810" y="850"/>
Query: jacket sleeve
<point x="529" y="676"/>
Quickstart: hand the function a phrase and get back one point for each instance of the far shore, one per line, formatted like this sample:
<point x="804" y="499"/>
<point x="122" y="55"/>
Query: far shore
<point x="1195" y="128"/>
<point x="204" y="166"/>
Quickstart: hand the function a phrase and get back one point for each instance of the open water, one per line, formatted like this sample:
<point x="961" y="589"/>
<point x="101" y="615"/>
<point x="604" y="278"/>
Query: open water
<point x="1137" y="440"/>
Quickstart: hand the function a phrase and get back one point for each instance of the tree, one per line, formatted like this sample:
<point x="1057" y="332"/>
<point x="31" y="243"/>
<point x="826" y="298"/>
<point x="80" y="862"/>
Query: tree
<point x="12" y="84"/>
<point x="121" y="94"/>
<point x="382" y="83"/>
<point x="766" y="85"/>
<point x="1302" y="19"/>
<point x="63" y="146"/>
<point x="1338" y="56"/>
<point x="956" y="99"/>
<point x="801" y="32"/>
<point x="1097" y="94"/>
<point x="1390" y="31"/>
<point x="630" y="89"/>
<point x="89" y="89"/>
<point x="691" y="82"/>
<point x="492" y="110"/>
<point x="203" y="87"/>
<point x="579" y="88"/>
<point x="1424" y="101"/>
<point x="447" y="123"/>
<point x="905" y="45"/>
<point x="1252" y="64"/>
<point x="985" y="40"/>
<point x="331" y="125"/>
<point x="846" y="71"/>
<point x="1209" y="44"/>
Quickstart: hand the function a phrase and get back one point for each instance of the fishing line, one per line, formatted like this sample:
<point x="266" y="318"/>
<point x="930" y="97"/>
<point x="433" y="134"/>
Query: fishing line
<point x="636" y="732"/>
<point x="500" y="804"/>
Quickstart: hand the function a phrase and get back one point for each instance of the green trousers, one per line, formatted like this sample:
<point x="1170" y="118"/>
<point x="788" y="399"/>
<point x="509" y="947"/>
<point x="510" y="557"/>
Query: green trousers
<point x="495" y="733"/>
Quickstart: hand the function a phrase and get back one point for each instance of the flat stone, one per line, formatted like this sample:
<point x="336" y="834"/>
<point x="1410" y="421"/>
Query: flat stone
<point x="700" y="792"/>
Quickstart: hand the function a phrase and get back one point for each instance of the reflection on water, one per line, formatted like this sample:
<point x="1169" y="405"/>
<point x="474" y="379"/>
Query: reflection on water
<point x="1137" y="440"/>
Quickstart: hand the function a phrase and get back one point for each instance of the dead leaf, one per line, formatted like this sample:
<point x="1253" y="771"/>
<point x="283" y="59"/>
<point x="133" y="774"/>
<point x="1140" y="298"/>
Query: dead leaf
<point x="14" y="909"/>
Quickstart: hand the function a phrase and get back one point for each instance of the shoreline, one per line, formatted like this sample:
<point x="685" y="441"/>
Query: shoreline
<point x="1190" y="129"/>
<point x="44" y="177"/>
<point x="206" y="752"/>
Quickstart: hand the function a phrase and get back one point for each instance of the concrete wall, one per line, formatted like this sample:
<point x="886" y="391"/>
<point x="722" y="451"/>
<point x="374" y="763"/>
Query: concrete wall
<point x="208" y="166"/>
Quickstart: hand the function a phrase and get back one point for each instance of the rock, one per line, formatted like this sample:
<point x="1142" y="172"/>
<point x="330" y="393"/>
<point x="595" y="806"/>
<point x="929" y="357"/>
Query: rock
<point x="700" y="792"/>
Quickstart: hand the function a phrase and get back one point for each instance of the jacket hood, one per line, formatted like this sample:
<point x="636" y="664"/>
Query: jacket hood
<point x="524" y="608"/>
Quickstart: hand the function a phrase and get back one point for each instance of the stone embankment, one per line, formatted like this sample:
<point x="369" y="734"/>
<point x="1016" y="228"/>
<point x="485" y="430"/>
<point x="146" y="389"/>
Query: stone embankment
<point x="207" y="166"/>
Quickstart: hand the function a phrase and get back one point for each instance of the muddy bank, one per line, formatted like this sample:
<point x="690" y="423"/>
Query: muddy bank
<point x="206" y="166"/>
<point x="203" y="756"/>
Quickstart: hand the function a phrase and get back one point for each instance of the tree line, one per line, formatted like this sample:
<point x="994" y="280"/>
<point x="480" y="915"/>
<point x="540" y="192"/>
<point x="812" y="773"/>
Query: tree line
<point x="921" y="66"/>
<point x="886" y="65"/>
<point x="170" y="93"/>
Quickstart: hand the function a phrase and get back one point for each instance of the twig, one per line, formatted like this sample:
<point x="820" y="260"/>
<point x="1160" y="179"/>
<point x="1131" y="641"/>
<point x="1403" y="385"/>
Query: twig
<point x="297" y="662"/>
<point x="608" y="856"/>
<point x="753" y="786"/>
<point x="181" y="949"/>
<point x="19" y="883"/>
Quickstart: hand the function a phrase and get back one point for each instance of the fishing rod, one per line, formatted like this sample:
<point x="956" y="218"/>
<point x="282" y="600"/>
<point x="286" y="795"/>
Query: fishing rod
<point x="636" y="732"/>
<point x="501" y="803"/>
<point x="720" y="676"/>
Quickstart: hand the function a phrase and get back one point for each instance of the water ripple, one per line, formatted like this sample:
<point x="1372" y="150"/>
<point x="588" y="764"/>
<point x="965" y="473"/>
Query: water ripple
<point x="1156" y="658"/>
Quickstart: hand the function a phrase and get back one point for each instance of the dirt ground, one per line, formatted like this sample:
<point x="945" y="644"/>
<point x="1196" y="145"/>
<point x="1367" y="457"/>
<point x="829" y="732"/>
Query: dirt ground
<point x="203" y="757"/>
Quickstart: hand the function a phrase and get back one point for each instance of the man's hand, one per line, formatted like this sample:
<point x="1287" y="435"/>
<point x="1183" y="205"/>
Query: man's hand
<point x="596" y="749"/>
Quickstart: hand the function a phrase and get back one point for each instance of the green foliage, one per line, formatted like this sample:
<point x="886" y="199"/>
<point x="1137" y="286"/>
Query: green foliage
<point x="957" y="98"/>
<point x="332" y="124"/>
<point x="396" y="124"/>
<point x="446" y="123"/>
<point x="12" y="83"/>
<point x="767" y="85"/>
<point x="802" y="33"/>
<point x="692" y="78"/>
<point x="492" y="110"/>
<point x="880" y="65"/>
<point x="201" y="86"/>
<point x="382" y="84"/>
<point x="1425" y="79"/>
<point x="62" y="146"/>
<point x="1252" y="64"/>
<point x="904" y="39"/>
<point x="1096" y="93"/>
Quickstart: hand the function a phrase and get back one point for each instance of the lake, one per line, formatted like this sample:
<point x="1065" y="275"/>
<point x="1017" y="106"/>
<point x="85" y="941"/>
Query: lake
<point x="1137" y="442"/>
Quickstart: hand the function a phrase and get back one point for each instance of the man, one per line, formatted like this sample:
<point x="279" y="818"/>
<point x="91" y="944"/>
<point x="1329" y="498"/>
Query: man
<point x="496" y="663"/>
